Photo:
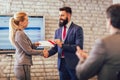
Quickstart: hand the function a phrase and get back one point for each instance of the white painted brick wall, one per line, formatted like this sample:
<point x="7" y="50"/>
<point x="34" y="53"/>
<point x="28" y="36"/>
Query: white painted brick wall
<point x="90" y="14"/>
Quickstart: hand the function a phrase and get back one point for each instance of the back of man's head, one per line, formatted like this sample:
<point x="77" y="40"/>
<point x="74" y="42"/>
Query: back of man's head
<point x="113" y="13"/>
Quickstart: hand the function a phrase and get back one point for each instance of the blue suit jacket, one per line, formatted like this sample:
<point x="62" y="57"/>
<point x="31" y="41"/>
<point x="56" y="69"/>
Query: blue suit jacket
<point x="74" y="37"/>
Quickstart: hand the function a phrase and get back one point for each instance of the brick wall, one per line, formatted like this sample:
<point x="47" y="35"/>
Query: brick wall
<point x="90" y="14"/>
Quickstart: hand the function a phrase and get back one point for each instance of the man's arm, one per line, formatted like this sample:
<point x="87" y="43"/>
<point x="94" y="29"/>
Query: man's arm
<point x="93" y="63"/>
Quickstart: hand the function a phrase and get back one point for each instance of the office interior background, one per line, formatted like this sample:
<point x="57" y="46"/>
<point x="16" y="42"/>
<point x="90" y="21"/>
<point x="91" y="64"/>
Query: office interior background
<point x="90" y="14"/>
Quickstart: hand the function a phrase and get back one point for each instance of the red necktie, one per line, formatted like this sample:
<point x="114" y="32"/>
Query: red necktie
<point x="64" y="32"/>
<point x="63" y="36"/>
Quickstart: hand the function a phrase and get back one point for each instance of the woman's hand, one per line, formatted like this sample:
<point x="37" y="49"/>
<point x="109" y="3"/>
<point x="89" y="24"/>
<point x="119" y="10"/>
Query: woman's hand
<point x="37" y="44"/>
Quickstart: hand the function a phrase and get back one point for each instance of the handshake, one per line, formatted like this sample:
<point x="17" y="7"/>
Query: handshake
<point x="80" y="53"/>
<point x="57" y="42"/>
<point x="45" y="53"/>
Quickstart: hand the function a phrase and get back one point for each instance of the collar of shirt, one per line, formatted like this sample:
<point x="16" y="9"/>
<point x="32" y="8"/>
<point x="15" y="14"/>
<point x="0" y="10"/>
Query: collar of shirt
<point x="67" y="27"/>
<point x="68" y="24"/>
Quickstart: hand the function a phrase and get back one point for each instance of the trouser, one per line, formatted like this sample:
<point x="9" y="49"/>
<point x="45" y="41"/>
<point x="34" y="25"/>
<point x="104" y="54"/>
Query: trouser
<point x="22" y="72"/>
<point x="66" y="73"/>
<point x="118" y="75"/>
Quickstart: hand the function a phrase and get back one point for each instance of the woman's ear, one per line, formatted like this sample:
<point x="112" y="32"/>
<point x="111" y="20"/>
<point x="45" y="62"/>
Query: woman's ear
<point x="21" y="23"/>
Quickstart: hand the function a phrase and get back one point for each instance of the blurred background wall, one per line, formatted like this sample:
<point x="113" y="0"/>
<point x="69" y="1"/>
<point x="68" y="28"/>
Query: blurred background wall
<point x="90" y="14"/>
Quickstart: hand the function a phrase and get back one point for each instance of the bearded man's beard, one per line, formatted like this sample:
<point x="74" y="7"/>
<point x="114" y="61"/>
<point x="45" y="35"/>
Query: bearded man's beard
<point x="61" y="24"/>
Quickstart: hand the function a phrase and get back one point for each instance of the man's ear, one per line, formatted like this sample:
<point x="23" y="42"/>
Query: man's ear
<point x="69" y="16"/>
<point x="110" y="22"/>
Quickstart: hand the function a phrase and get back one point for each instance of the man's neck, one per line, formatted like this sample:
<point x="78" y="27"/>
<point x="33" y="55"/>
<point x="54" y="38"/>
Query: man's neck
<point x="69" y="23"/>
<point x="113" y="30"/>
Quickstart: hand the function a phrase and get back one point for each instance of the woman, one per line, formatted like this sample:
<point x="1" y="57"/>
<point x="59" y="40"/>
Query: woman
<point x="24" y="47"/>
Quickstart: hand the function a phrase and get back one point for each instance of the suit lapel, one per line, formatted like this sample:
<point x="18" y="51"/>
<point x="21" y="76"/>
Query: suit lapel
<point x="69" y="30"/>
<point x="60" y="33"/>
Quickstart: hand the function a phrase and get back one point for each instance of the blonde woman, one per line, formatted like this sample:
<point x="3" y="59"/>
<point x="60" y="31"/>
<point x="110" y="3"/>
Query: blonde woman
<point x="24" y="47"/>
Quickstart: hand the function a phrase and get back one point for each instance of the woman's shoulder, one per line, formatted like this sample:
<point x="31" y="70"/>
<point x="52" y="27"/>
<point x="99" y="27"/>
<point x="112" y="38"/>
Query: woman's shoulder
<point x="19" y="32"/>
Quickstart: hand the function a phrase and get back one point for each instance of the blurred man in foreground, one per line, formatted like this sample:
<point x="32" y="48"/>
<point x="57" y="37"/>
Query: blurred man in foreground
<point x="104" y="58"/>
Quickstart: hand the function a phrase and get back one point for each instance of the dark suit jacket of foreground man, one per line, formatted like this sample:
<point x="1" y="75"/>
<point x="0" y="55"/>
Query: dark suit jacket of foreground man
<point x="104" y="60"/>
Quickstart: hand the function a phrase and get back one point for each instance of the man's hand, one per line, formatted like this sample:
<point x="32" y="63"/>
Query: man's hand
<point x="58" y="42"/>
<point x="81" y="54"/>
<point x="45" y="53"/>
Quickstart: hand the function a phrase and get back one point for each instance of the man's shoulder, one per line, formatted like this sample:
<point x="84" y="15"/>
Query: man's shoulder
<point x="57" y="29"/>
<point x="75" y="25"/>
<point x="109" y="37"/>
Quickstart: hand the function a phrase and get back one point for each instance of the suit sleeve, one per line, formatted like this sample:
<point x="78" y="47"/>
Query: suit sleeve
<point x="93" y="63"/>
<point x="33" y="46"/>
<point x="78" y="36"/>
<point x="54" y="49"/>
<point x="25" y="45"/>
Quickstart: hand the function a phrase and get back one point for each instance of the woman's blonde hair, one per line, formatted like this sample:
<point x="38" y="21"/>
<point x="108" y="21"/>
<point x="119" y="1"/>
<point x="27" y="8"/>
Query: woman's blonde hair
<point x="14" y="25"/>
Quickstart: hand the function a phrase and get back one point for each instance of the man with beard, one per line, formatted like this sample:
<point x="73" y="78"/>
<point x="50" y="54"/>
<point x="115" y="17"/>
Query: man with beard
<point x="67" y="37"/>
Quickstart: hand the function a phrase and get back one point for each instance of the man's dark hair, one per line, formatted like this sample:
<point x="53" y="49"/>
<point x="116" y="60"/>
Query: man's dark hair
<point x="113" y="12"/>
<point x="67" y="9"/>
